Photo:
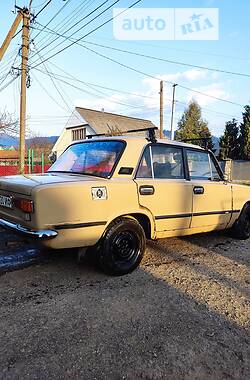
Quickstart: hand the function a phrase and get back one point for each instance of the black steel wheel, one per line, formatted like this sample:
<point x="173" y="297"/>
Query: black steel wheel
<point x="241" y="228"/>
<point x="122" y="247"/>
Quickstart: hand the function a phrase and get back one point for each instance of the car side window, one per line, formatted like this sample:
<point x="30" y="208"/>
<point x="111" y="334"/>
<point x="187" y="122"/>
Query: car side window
<point x="164" y="161"/>
<point x="215" y="174"/>
<point x="145" y="167"/>
<point x="201" y="166"/>
<point x="167" y="162"/>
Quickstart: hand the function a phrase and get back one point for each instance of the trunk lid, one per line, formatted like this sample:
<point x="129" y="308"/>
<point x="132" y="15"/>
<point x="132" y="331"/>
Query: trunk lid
<point x="23" y="184"/>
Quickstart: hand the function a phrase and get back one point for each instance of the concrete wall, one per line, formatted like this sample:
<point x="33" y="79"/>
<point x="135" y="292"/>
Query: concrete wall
<point x="238" y="171"/>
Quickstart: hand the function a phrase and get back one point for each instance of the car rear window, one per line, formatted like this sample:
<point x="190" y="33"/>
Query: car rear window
<point x="96" y="158"/>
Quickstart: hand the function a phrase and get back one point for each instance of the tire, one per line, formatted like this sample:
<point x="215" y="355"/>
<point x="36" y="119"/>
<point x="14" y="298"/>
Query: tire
<point x="241" y="228"/>
<point x="122" y="247"/>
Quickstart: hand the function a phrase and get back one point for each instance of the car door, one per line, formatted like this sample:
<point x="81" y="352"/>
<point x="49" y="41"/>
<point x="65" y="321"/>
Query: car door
<point x="212" y="196"/>
<point x="163" y="188"/>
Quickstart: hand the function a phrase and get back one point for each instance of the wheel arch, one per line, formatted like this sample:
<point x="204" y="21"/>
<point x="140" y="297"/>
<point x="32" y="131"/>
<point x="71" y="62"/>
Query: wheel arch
<point x="144" y="220"/>
<point x="246" y="207"/>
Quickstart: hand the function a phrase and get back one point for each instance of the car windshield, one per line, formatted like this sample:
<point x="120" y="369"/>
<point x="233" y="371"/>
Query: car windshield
<point x="96" y="158"/>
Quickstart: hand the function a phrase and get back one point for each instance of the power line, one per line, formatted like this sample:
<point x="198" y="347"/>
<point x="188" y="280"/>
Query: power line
<point x="49" y="95"/>
<point x="7" y="84"/>
<point x="53" y="82"/>
<point x="168" y="61"/>
<point x="69" y="76"/>
<point x="52" y="75"/>
<point x="93" y="30"/>
<point x="92" y="94"/>
<point x="68" y="18"/>
<point x="162" y="59"/>
<point x="41" y="10"/>
<point x="126" y="92"/>
<point x="79" y="21"/>
<point x="180" y="50"/>
<point x="144" y="73"/>
<point x="151" y="76"/>
<point x="52" y="18"/>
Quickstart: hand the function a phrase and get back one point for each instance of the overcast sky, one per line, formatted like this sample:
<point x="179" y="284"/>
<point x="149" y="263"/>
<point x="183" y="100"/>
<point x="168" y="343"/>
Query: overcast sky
<point x="51" y="101"/>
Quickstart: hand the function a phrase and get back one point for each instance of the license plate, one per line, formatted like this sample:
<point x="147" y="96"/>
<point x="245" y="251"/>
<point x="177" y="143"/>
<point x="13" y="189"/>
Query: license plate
<point x="5" y="201"/>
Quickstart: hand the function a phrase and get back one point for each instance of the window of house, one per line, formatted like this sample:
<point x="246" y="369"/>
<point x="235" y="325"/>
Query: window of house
<point x="78" y="134"/>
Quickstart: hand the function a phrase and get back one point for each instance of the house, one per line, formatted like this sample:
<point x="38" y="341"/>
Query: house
<point x="10" y="154"/>
<point x="9" y="157"/>
<point x="84" y="122"/>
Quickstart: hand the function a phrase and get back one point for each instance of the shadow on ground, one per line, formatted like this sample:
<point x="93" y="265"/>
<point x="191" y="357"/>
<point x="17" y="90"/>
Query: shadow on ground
<point x="183" y="315"/>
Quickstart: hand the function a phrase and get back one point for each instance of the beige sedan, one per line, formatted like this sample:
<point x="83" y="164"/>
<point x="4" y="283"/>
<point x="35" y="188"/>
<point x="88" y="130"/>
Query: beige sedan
<point x="110" y="194"/>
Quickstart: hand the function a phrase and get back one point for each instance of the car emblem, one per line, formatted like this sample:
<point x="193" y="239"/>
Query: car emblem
<point x="99" y="193"/>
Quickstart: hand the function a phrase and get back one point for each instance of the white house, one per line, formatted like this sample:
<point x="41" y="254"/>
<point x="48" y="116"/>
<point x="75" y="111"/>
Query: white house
<point x="84" y="122"/>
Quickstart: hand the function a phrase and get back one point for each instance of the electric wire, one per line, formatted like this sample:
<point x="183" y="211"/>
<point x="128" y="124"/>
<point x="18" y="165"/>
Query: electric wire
<point x="93" y="30"/>
<point x="72" y="26"/>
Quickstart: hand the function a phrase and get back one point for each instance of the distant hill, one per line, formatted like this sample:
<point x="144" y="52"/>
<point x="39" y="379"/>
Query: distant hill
<point x="7" y="141"/>
<point x="51" y="139"/>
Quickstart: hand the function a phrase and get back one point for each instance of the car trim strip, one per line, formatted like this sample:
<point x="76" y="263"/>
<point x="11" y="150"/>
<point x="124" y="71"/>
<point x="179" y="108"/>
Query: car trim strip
<point x="173" y="216"/>
<point x="189" y="215"/>
<point x="79" y="225"/>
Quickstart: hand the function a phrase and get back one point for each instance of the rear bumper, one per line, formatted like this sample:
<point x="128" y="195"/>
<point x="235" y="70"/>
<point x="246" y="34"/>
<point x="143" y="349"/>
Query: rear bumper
<point x="17" y="228"/>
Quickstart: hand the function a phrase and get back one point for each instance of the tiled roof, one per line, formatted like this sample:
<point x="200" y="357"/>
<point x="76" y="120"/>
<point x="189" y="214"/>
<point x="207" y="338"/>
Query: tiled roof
<point x="105" y="122"/>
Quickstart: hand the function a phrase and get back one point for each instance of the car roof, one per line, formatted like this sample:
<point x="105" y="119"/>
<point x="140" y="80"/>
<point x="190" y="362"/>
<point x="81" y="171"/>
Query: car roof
<point x="142" y="140"/>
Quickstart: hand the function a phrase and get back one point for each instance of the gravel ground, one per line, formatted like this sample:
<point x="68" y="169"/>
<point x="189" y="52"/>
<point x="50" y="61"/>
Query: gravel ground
<point x="185" y="314"/>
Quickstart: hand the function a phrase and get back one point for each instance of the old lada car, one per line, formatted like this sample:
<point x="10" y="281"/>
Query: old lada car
<point x="110" y="194"/>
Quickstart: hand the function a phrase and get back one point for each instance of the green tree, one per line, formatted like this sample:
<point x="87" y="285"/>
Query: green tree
<point x="244" y="138"/>
<point x="192" y="126"/>
<point x="229" y="141"/>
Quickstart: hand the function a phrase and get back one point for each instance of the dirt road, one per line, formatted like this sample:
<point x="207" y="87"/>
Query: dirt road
<point x="185" y="314"/>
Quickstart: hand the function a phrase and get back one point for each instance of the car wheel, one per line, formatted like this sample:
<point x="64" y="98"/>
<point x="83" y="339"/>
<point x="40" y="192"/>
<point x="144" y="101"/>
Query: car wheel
<point x="241" y="228"/>
<point x="122" y="247"/>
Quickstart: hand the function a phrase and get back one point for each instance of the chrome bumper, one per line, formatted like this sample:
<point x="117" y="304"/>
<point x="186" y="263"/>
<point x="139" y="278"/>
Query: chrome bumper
<point x="40" y="235"/>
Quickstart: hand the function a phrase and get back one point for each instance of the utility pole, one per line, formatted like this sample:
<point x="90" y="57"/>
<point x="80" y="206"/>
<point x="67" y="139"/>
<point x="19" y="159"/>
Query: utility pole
<point x="22" y="15"/>
<point x="161" y="110"/>
<point x="10" y="35"/>
<point x="25" y="53"/>
<point x="172" y="112"/>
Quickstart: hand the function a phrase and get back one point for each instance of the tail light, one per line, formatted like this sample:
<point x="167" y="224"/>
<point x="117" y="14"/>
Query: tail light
<point x="24" y="205"/>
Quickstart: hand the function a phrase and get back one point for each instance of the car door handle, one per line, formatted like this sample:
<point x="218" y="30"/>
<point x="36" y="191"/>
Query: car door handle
<point x="146" y="190"/>
<point x="198" y="190"/>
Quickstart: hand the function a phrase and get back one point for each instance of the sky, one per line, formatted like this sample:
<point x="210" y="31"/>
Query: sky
<point x="50" y="101"/>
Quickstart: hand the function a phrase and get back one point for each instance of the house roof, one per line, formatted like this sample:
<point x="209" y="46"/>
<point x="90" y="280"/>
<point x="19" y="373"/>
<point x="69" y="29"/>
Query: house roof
<point x="105" y="122"/>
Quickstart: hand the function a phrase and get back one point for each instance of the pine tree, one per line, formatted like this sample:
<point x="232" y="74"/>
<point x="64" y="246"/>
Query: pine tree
<point x="229" y="141"/>
<point x="245" y="135"/>
<point x="192" y="126"/>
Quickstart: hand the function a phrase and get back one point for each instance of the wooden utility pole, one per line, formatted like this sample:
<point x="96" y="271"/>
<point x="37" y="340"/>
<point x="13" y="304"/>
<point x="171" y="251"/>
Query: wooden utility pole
<point x="10" y="35"/>
<point x="161" y="110"/>
<point x="172" y="112"/>
<point x="22" y="15"/>
<point x="25" y="54"/>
